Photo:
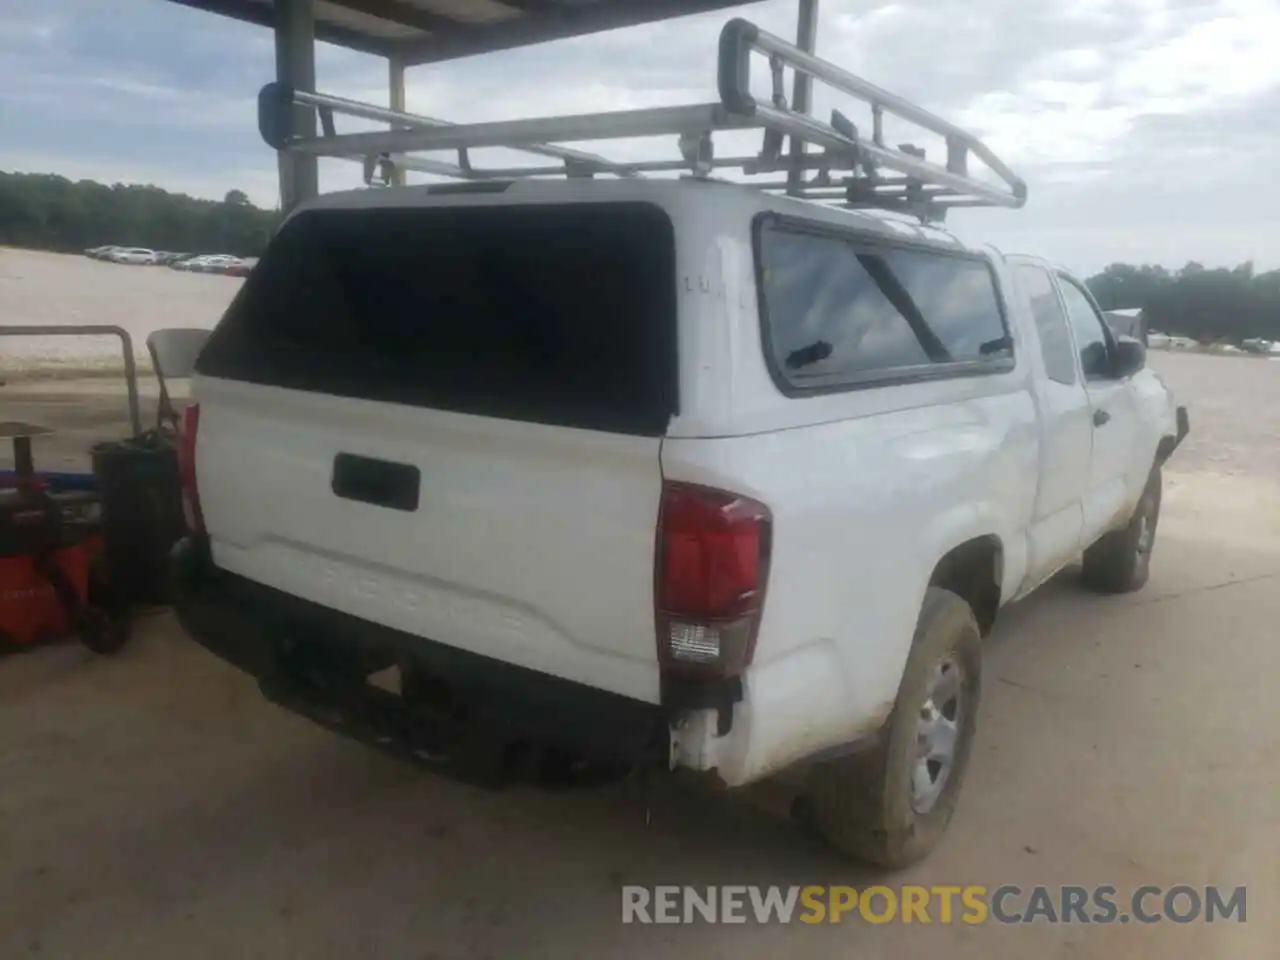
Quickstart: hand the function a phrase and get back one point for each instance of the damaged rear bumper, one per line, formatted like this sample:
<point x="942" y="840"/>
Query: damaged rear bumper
<point x="479" y="716"/>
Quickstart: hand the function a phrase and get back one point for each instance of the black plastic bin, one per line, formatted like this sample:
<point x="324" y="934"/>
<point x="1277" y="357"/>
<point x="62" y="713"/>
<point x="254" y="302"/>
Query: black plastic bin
<point x="142" y="514"/>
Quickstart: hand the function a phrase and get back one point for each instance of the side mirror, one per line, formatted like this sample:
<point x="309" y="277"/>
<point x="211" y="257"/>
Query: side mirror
<point x="1130" y="357"/>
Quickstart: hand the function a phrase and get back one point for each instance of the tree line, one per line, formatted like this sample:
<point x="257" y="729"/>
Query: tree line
<point x="50" y="212"/>
<point x="1209" y="305"/>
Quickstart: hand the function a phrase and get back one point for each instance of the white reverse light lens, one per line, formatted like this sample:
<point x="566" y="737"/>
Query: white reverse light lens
<point x="694" y="642"/>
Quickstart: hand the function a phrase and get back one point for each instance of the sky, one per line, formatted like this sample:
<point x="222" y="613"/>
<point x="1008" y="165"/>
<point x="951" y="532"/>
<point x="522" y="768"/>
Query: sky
<point x="1148" y="130"/>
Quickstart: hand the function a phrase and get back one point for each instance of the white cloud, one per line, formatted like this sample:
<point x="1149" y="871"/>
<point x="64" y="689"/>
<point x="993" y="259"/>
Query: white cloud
<point x="1228" y="57"/>
<point x="1129" y="118"/>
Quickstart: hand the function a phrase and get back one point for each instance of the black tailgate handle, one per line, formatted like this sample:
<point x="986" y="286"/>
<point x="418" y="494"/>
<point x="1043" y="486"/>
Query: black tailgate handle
<point x="377" y="482"/>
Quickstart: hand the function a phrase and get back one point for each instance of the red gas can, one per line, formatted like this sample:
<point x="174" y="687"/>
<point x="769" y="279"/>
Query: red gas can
<point x="41" y="535"/>
<point x="30" y="610"/>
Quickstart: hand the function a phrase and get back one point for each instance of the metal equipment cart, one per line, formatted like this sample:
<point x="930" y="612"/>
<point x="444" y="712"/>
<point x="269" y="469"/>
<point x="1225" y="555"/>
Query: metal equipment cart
<point x="54" y="579"/>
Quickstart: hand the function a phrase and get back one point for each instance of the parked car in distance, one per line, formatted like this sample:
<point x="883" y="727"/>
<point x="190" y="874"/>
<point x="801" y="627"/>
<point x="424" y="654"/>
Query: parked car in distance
<point x="209" y="263"/>
<point x="223" y="266"/>
<point x="1129" y="322"/>
<point x="241" y="267"/>
<point x="100" y="253"/>
<point x="133" y="255"/>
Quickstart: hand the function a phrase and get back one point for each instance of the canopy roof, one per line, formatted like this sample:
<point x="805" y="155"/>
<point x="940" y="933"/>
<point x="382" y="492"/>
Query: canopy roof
<point x="423" y="31"/>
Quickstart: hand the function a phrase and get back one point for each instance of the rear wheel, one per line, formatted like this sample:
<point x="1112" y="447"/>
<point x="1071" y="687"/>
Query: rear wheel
<point x="891" y="805"/>
<point x="1120" y="562"/>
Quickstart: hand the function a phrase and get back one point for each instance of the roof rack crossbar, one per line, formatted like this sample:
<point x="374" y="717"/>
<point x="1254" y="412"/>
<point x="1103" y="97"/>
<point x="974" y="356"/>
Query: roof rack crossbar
<point x="915" y="185"/>
<point x="276" y="99"/>
<point x="637" y="167"/>
<point x="526" y="135"/>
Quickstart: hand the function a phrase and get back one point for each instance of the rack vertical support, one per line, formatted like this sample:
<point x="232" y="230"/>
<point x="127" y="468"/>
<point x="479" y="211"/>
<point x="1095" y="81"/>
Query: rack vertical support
<point x="395" y="77"/>
<point x="802" y="93"/>
<point x="295" y="29"/>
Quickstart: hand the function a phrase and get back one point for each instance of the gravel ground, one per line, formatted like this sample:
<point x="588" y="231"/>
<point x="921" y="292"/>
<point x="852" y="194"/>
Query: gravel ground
<point x="38" y="289"/>
<point x="152" y="806"/>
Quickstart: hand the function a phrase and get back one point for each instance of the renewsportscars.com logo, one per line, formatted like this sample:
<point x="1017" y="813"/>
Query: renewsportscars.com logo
<point x="971" y="905"/>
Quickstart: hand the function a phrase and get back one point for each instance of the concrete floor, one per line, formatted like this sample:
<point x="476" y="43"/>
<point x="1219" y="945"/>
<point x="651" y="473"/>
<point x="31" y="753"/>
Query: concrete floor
<point x="152" y="806"/>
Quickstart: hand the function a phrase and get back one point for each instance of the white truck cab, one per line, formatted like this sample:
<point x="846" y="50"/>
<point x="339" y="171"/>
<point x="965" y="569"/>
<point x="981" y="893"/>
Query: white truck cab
<point x="643" y="471"/>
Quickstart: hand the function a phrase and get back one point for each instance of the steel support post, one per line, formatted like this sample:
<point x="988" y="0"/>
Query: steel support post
<point x="295" y="30"/>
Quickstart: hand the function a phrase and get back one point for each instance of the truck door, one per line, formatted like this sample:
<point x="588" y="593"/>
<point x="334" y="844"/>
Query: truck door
<point x="1066" y="439"/>
<point x="1113" y="412"/>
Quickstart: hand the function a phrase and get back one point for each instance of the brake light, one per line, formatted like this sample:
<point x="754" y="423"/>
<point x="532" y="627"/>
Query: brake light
<point x="187" y="467"/>
<point x="712" y="568"/>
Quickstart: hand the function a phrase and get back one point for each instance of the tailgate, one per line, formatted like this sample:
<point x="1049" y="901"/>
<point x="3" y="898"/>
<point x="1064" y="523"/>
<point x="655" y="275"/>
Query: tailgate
<point x="444" y="437"/>
<point x="531" y="544"/>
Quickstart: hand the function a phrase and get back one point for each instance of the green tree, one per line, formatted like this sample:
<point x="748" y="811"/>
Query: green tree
<point x="1196" y="301"/>
<point x="49" y="212"/>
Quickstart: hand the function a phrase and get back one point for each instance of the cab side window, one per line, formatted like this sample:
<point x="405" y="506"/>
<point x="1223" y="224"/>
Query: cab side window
<point x="1051" y="323"/>
<point x="1092" y="342"/>
<point x="847" y="311"/>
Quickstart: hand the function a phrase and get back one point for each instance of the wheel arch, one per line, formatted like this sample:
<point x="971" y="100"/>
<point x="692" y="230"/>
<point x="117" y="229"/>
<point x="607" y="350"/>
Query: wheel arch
<point x="974" y="571"/>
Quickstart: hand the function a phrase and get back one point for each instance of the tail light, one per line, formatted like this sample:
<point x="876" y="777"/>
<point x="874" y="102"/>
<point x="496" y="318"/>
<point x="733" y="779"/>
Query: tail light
<point x="712" y="567"/>
<point x="187" y="467"/>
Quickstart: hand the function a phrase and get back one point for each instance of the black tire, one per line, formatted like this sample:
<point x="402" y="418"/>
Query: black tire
<point x="1120" y="562"/>
<point x="865" y="805"/>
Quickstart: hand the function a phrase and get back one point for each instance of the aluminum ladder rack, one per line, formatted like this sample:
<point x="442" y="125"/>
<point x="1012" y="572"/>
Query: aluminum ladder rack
<point x="851" y="167"/>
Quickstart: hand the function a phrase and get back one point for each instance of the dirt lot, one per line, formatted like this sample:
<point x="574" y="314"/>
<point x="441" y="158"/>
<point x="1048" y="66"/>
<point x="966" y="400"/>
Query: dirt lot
<point x="152" y="806"/>
<point x="40" y="289"/>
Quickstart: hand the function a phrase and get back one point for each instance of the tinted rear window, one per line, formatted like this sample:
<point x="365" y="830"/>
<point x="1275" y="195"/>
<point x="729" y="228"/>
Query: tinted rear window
<point x="554" y="314"/>
<point x="844" y="311"/>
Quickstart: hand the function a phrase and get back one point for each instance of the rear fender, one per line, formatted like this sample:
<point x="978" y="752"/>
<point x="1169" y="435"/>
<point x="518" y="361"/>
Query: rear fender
<point x="972" y="521"/>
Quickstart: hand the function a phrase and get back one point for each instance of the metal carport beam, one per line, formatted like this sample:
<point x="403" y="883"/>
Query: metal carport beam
<point x="295" y="33"/>
<point x="545" y="20"/>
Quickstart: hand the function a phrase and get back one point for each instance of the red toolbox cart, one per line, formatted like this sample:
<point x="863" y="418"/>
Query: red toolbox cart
<point x="52" y="582"/>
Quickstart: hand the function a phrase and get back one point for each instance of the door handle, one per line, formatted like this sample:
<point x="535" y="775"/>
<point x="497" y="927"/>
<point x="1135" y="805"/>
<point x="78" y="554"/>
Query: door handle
<point x="379" y="483"/>
<point x="1100" y="417"/>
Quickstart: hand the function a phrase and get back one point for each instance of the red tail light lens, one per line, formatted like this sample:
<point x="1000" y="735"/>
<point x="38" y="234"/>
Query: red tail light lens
<point x="187" y="467"/>
<point x="712" y="567"/>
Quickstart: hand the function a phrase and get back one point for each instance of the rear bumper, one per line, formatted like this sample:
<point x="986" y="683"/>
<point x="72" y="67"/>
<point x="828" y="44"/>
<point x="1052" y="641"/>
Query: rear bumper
<point x="314" y="661"/>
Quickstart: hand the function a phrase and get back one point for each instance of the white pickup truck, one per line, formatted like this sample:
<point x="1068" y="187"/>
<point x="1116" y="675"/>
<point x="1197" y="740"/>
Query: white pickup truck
<point x="658" y="472"/>
<point x="680" y="473"/>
